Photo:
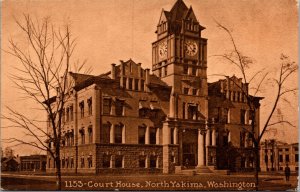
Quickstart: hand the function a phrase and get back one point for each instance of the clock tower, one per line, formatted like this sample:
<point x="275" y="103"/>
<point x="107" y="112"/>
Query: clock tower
<point x="179" y="58"/>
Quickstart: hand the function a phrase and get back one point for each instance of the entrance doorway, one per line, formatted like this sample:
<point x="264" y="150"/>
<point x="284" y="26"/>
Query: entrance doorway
<point x="189" y="148"/>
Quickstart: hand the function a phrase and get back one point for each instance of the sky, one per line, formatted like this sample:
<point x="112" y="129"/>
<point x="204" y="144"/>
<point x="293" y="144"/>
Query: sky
<point x="108" y="31"/>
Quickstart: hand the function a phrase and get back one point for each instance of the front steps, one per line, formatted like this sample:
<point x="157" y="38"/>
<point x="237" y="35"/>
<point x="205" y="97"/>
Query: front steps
<point x="200" y="170"/>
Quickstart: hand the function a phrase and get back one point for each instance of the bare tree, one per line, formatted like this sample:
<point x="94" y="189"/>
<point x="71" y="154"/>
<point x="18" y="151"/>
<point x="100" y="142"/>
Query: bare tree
<point x="286" y="71"/>
<point x="42" y="76"/>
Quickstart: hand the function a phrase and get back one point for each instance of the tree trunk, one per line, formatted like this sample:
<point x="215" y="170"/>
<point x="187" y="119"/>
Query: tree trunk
<point x="58" y="175"/>
<point x="58" y="169"/>
<point x="257" y="166"/>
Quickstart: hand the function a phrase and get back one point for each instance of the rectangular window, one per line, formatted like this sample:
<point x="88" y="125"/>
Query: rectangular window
<point x="281" y="168"/>
<point x="67" y="114"/>
<point x="186" y="91"/>
<point x="233" y="95"/>
<point x="192" y="112"/>
<point x="72" y="162"/>
<point x="106" y="161"/>
<point x="194" y="71"/>
<point x="172" y="135"/>
<point x="63" y="163"/>
<point x="90" y="161"/>
<point x="242" y="139"/>
<point x="242" y="116"/>
<point x="67" y="162"/>
<point x="287" y="158"/>
<point x="82" y="136"/>
<point x="143" y="113"/>
<point x="142" y="134"/>
<point x="296" y="148"/>
<point x="106" y="106"/>
<point x="153" y="161"/>
<point x="119" y="107"/>
<point x="238" y="96"/>
<point x="296" y="157"/>
<point x="152" y="135"/>
<point x="89" y="101"/>
<point x="118" y="133"/>
<point x="136" y="84"/>
<point x="130" y="84"/>
<point x="194" y="91"/>
<point x="225" y="140"/>
<point x="286" y="150"/>
<point x="82" y="162"/>
<point x="71" y="113"/>
<point x="105" y="133"/>
<point x="81" y="105"/>
<point x="226" y="115"/>
<point x="90" y="131"/>
<point x="119" y="161"/>
<point x="280" y="158"/>
<point x="72" y="137"/>
<point x="124" y="82"/>
<point x="185" y="69"/>
<point x="142" y="161"/>
<point x="142" y="85"/>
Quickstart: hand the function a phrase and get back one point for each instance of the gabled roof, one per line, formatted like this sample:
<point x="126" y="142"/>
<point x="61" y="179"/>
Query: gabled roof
<point x="190" y="14"/>
<point x="178" y="11"/>
<point x="91" y="80"/>
<point x="154" y="80"/>
<point x="216" y="102"/>
<point x="164" y="16"/>
<point x="78" y="78"/>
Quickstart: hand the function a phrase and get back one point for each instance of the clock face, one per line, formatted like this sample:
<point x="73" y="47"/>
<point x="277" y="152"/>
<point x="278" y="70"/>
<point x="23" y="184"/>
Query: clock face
<point x="191" y="48"/>
<point x="162" y="49"/>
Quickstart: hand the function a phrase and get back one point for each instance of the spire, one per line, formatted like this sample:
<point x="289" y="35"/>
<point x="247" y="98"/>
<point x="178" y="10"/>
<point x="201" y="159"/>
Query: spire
<point x="178" y="11"/>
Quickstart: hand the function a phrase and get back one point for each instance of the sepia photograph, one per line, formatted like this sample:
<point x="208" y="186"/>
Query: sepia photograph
<point x="149" y="95"/>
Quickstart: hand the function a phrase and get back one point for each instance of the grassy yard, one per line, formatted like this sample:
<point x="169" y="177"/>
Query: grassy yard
<point x="139" y="182"/>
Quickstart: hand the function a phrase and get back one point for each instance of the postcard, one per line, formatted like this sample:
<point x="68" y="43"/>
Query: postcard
<point x="146" y="95"/>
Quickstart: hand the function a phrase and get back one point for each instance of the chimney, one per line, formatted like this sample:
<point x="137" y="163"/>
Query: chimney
<point x="122" y="73"/>
<point x="227" y="87"/>
<point x="139" y="69"/>
<point x="147" y="79"/>
<point x="221" y="86"/>
<point x="113" y="71"/>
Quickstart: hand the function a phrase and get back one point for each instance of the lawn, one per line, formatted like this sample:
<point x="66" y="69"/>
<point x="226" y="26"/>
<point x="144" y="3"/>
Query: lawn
<point x="137" y="182"/>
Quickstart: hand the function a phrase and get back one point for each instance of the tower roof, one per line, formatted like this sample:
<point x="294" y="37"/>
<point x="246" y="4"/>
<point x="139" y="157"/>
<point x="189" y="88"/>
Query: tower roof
<point x="178" y="11"/>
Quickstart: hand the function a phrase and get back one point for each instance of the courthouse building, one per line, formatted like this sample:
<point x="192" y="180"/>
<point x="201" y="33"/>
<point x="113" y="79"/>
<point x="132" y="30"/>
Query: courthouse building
<point x="132" y="120"/>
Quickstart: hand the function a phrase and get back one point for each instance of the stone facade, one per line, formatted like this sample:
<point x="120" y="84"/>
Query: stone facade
<point x="33" y="163"/>
<point x="275" y="155"/>
<point x="131" y="120"/>
<point x="233" y="121"/>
